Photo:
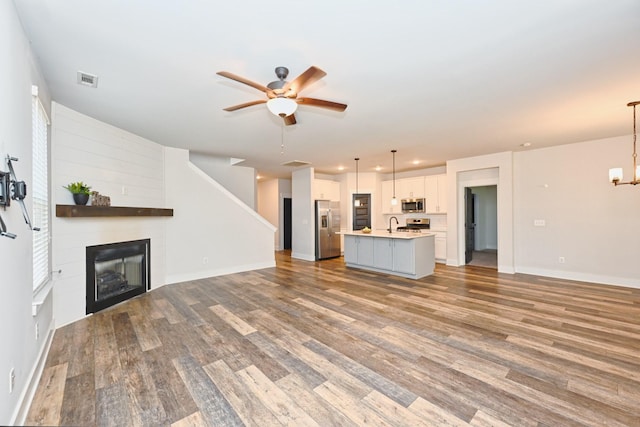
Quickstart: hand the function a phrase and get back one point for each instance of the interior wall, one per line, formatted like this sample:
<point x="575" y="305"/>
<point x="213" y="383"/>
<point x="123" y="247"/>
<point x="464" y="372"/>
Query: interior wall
<point x="590" y="223"/>
<point x="21" y="350"/>
<point x="118" y="164"/>
<point x="468" y="172"/>
<point x="212" y="231"/>
<point x="239" y="180"/>
<point x="269" y="206"/>
<point x="303" y="225"/>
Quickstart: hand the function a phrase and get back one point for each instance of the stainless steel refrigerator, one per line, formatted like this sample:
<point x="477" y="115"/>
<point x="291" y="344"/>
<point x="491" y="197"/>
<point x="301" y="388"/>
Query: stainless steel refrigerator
<point x="327" y="229"/>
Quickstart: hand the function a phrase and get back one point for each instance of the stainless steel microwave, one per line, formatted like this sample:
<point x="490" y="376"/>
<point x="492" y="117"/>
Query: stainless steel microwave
<point x="412" y="205"/>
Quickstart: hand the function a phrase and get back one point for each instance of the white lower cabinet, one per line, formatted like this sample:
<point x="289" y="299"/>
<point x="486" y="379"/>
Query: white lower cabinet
<point x="404" y="260"/>
<point x="440" y="243"/>
<point x="383" y="253"/>
<point x="359" y="251"/>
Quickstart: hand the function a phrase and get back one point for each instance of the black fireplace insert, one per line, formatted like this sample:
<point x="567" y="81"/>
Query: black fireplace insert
<point x="116" y="272"/>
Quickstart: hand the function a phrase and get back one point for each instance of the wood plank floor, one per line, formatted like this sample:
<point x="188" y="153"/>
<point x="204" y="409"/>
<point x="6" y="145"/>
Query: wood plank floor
<point x="307" y="344"/>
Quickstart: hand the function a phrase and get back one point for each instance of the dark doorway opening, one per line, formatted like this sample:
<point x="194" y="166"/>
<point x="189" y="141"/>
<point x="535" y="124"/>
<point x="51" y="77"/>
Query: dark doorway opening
<point x="361" y="213"/>
<point x="481" y="227"/>
<point x="469" y="225"/>
<point x="287" y="224"/>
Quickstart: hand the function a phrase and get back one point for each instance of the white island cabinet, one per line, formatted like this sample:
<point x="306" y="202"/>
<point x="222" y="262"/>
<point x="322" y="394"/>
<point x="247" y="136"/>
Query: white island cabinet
<point x="410" y="255"/>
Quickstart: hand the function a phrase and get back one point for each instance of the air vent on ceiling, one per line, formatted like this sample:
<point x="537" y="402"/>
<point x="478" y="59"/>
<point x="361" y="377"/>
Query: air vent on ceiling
<point x="296" y="163"/>
<point x="87" y="79"/>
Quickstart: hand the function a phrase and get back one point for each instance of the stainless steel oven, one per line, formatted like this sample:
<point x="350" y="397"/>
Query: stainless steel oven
<point x="412" y="205"/>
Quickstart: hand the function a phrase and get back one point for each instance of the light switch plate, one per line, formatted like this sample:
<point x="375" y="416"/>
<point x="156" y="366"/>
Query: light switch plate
<point x="539" y="222"/>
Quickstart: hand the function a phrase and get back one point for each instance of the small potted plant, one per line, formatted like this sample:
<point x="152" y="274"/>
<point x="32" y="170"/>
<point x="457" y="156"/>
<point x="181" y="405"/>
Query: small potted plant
<point x="80" y="191"/>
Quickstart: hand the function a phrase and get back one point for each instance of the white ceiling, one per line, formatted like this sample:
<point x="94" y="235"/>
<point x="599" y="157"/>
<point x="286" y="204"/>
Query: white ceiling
<point x="436" y="80"/>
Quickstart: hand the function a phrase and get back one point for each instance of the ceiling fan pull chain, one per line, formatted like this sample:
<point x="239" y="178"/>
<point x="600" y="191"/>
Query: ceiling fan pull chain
<point x="282" y="139"/>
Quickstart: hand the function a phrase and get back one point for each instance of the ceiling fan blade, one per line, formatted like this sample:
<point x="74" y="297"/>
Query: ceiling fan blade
<point x="312" y="75"/>
<point x="290" y="120"/>
<point x="322" y="103"/>
<point x="245" y="81"/>
<point x="246" y="104"/>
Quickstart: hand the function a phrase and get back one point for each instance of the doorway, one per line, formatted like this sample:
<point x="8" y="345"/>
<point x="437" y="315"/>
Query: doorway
<point x="287" y="224"/>
<point x="362" y="213"/>
<point x="481" y="226"/>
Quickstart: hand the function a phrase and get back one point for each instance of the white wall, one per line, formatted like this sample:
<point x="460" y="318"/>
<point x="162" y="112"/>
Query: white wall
<point x="592" y="224"/>
<point x="113" y="162"/>
<point x="239" y="180"/>
<point x="303" y="226"/>
<point x="269" y="206"/>
<point x="271" y="195"/>
<point x="20" y="348"/>
<point x="476" y="171"/>
<point x="212" y="232"/>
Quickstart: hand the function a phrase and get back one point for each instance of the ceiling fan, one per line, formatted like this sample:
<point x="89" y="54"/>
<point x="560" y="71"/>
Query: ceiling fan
<point x="283" y="95"/>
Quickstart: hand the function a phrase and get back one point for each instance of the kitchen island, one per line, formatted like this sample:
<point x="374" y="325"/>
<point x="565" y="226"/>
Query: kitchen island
<point x="410" y="255"/>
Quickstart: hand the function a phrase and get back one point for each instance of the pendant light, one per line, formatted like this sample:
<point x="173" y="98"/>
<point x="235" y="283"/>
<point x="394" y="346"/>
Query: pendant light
<point x="394" y="201"/>
<point x="356" y="202"/>
<point x="615" y="174"/>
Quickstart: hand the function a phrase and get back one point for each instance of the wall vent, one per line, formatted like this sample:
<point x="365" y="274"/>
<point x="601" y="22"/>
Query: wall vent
<point x="296" y="163"/>
<point x="87" y="79"/>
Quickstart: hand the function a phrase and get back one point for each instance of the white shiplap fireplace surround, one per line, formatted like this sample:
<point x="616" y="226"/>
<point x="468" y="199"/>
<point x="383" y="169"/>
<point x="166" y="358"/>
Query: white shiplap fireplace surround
<point x="137" y="172"/>
<point x="113" y="162"/>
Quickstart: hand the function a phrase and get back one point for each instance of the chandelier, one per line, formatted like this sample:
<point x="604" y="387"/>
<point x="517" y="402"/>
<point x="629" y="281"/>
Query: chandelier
<point x="615" y="174"/>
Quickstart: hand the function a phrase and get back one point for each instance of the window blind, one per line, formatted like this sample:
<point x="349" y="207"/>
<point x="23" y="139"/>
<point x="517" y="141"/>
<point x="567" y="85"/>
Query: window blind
<point x="40" y="191"/>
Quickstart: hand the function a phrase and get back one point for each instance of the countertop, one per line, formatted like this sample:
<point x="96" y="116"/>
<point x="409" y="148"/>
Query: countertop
<point x="386" y="234"/>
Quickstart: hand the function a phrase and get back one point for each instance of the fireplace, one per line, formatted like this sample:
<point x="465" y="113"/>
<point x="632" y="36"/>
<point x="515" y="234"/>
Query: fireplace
<point x="116" y="272"/>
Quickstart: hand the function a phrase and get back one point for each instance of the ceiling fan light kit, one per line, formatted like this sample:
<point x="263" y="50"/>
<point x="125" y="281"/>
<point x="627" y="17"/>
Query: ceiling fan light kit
<point x="281" y="106"/>
<point x="283" y="95"/>
<point x="615" y="174"/>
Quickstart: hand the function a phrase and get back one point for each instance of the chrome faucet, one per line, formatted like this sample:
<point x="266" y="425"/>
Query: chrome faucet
<point x="393" y="217"/>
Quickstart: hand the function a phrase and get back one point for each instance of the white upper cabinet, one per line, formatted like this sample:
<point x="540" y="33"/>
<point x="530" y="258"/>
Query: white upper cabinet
<point x="387" y="194"/>
<point x="324" y="189"/>
<point x="410" y="188"/>
<point x="436" y="193"/>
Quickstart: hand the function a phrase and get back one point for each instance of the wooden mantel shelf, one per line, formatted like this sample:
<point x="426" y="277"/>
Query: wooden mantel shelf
<point x="80" y="211"/>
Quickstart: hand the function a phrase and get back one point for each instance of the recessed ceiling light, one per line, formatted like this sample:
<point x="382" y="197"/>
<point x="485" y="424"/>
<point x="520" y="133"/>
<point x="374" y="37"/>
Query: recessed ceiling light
<point x="340" y="168"/>
<point x="525" y="144"/>
<point x="378" y="168"/>
<point x="258" y="177"/>
<point x="416" y="162"/>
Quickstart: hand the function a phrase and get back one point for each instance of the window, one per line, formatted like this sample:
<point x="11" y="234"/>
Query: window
<point x="40" y="191"/>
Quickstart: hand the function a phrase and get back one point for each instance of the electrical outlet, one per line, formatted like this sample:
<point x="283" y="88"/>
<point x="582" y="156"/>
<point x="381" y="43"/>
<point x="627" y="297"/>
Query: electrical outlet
<point x="12" y="379"/>
<point x="37" y="331"/>
<point x="205" y="260"/>
<point x="124" y="190"/>
<point x="561" y="260"/>
<point x="539" y="222"/>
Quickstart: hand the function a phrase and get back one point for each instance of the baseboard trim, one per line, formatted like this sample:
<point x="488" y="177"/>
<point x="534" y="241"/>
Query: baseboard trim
<point x="22" y="410"/>
<point x="178" y="278"/>
<point x="581" y="277"/>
